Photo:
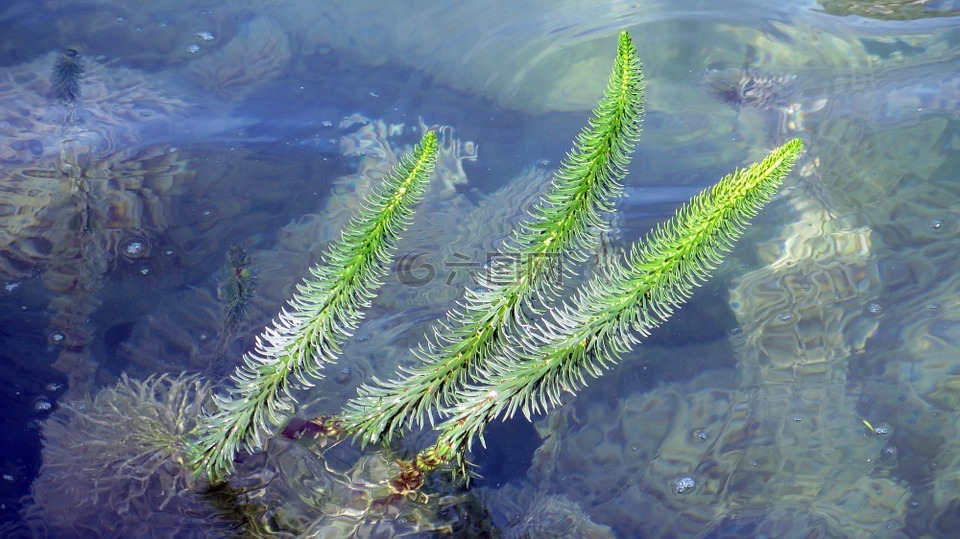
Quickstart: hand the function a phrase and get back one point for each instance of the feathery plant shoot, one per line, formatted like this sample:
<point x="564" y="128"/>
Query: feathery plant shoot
<point x="324" y="311"/>
<point x="565" y="223"/>
<point x="612" y="312"/>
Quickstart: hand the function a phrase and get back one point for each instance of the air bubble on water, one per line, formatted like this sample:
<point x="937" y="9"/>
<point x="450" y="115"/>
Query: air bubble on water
<point x="206" y="36"/>
<point x="42" y="405"/>
<point x="193" y="49"/>
<point x="785" y="317"/>
<point x="936" y="224"/>
<point x="145" y="271"/>
<point x="874" y="308"/>
<point x="797" y="419"/>
<point x="57" y="338"/>
<point x="343" y="375"/>
<point x="701" y="435"/>
<point x="134" y="248"/>
<point x="889" y="450"/>
<point x="684" y="485"/>
<point x="53" y="387"/>
<point x="882" y="429"/>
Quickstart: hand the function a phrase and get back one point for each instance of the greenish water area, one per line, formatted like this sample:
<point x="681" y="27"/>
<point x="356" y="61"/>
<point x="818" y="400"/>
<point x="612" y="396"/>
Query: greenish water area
<point x="811" y="388"/>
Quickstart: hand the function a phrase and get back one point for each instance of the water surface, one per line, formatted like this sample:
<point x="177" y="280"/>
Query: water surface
<point x="810" y="388"/>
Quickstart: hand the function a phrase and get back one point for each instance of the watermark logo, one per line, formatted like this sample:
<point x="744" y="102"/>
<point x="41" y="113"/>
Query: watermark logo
<point x="499" y="269"/>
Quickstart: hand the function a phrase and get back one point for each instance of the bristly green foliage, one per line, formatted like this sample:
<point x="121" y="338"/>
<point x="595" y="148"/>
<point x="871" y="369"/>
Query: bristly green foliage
<point x="612" y="312"/>
<point x="566" y="223"/>
<point x="321" y="316"/>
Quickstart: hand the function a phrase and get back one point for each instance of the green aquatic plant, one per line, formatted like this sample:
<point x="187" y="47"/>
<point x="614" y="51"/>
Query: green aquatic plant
<point x="322" y="314"/>
<point x="564" y="225"/>
<point x="613" y="311"/>
<point x="506" y="348"/>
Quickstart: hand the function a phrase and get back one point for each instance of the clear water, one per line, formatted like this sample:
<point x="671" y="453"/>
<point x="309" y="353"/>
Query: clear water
<point x="809" y="389"/>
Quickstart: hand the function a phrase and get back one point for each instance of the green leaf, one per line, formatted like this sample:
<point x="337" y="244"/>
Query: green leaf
<point x="321" y="315"/>
<point x="565" y="223"/>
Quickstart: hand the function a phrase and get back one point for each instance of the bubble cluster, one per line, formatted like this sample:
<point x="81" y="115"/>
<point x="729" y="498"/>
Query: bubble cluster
<point x="684" y="485"/>
<point x="134" y="248"/>
<point x="42" y="405"/>
<point x="343" y="375"/>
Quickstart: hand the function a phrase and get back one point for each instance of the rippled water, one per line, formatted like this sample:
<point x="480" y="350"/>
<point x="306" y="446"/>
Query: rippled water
<point x="811" y="388"/>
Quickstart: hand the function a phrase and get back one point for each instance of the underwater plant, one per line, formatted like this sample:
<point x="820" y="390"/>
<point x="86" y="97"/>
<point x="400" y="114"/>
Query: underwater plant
<point x="506" y="348"/>
<point x="113" y="465"/>
<point x="236" y="285"/>
<point x="67" y="73"/>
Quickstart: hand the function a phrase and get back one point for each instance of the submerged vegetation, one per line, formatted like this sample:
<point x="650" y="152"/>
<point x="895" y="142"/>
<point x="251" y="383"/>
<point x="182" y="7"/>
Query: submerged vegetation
<point x="506" y="348"/>
<point x="236" y="286"/>
<point x="114" y="464"/>
<point x="67" y="73"/>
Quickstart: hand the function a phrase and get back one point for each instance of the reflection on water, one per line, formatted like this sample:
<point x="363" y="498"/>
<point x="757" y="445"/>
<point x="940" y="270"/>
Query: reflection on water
<point x="261" y="124"/>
